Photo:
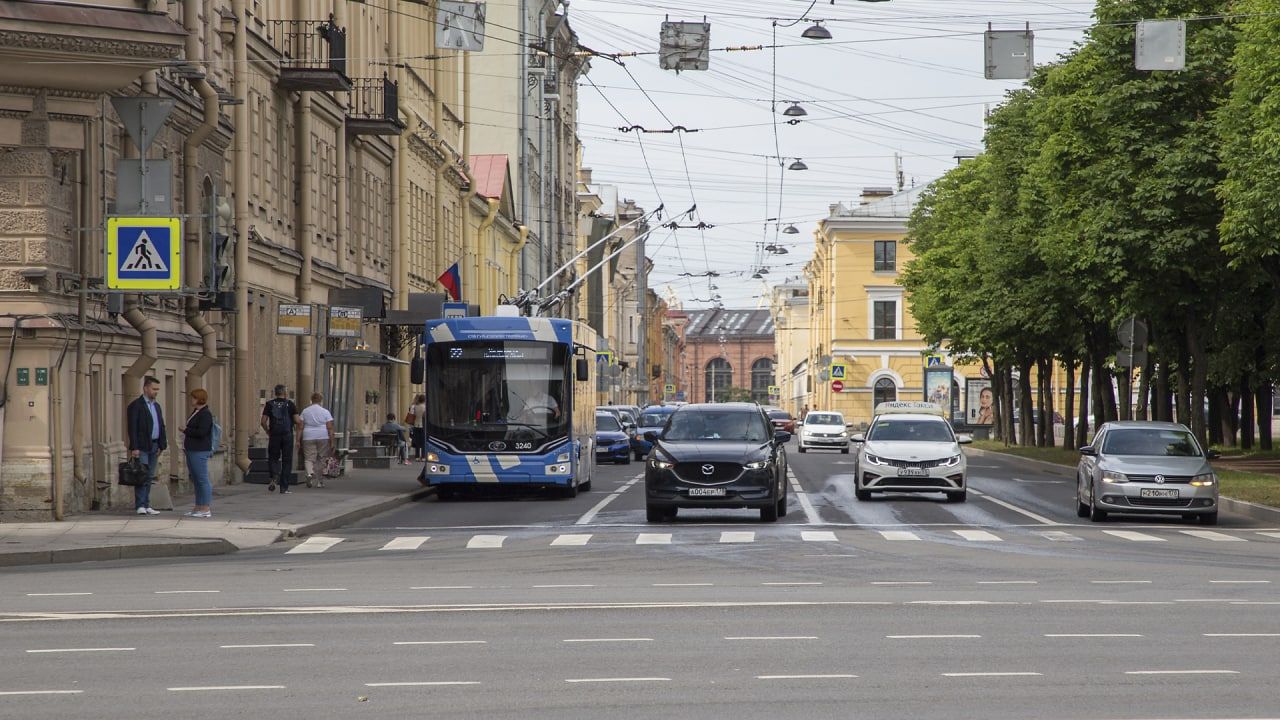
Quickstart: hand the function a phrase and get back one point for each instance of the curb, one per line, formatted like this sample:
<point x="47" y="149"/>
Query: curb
<point x="358" y="513"/>
<point x="181" y="548"/>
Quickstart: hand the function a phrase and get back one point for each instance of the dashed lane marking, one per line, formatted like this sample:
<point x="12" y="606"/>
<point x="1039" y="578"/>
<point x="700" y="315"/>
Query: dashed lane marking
<point x="653" y="539"/>
<point x="1212" y="535"/>
<point x="406" y="543"/>
<point x="737" y="537"/>
<point x="811" y="515"/>
<point x="312" y="545"/>
<point x="818" y="536"/>
<point x="898" y="535"/>
<point x="978" y="536"/>
<point x="571" y="540"/>
<point x="486" y="541"/>
<point x="1134" y="536"/>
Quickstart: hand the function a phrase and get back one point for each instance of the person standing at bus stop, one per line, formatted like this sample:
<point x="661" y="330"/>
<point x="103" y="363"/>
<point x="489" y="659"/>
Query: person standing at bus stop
<point x="281" y="420"/>
<point x="417" y="435"/>
<point x="317" y="437"/>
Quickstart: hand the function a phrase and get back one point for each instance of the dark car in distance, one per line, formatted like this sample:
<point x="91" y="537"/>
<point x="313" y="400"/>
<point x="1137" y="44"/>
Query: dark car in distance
<point x="723" y="455"/>
<point x="652" y="419"/>
<point x="782" y="420"/>
<point x="612" y="442"/>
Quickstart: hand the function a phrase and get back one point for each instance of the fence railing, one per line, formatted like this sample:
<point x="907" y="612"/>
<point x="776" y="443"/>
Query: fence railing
<point x="310" y="44"/>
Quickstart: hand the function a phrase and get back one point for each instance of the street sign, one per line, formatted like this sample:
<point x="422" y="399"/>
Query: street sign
<point x="1130" y="359"/>
<point x="837" y="386"/>
<point x="1132" y="333"/>
<point x="1160" y="45"/>
<point x="668" y="389"/>
<point x="293" y="320"/>
<point x="1010" y="54"/>
<point x="774" y="390"/>
<point x="605" y="357"/>
<point x="144" y="253"/>
<point x="131" y="177"/>
<point x="455" y="310"/>
<point x="345" y="321"/>
<point x="839" y="371"/>
<point x="933" y="361"/>
<point x="143" y="116"/>
<point x="679" y="396"/>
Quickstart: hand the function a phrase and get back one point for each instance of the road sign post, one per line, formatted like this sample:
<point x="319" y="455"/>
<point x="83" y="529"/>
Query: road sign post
<point x="144" y="254"/>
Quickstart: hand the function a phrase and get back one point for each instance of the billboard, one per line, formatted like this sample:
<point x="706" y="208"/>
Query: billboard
<point x="980" y="402"/>
<point x="937" y="386"/>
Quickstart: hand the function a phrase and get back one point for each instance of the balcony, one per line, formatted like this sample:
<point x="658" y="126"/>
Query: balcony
<point x="313" y="54"/>
<point x="373" y="111"/>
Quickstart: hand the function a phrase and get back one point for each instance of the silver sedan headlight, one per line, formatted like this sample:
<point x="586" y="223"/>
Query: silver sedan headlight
<point x="1205" y="480"/>
<point x="1111" y="476"/>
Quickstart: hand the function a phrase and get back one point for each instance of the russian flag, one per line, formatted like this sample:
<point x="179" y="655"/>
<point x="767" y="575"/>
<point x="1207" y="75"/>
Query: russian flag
<point x="451" y="280"/>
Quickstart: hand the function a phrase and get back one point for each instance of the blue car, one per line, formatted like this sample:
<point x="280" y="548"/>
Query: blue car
<point x="652" y="418"/>
<point x="612" y="442"/>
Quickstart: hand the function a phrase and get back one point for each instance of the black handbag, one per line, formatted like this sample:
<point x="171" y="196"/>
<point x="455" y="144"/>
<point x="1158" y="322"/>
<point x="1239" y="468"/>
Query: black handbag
<point x="132" y="473"/>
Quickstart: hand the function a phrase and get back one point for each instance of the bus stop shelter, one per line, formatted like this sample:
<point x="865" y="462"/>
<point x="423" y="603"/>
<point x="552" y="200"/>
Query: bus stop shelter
<point x="338" y="385"/>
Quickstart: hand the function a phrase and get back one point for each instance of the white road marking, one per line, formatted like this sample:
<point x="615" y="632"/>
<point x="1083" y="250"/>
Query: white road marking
<point x="315" y="590"/>
<point x="1008" y="582"/>
<point x="486" y="541"/>
<point x="544" y="587"/>
<point x="102" y="649"/>
<point x="978" y="536"/>
<point x="405" y="543"/>
<point x="818" y="536"/>
<point x="790" y="583"/>
<point x="1242" y="634"/>
<point x="66" y="594"/>
<point x="1270" y="534"/>
<point x="1010" y="506"/>
<point x="563" y="540"/>
<point x="932" y="637"/>
<point x="617" y="679"/>
<point x="590" y="515"/>
<point x="1059" y="536"/>
<point x="311" y="545"/>
<point x="1134" y="536"/>
<point x="811" y="515"/>
<point x="991" y="674"/>
<point x="684" y="584"/>
<point x="435" y="683"/>
<point x="443" y="587"/>
<point x="441" y="642"/>
<point x="1213" y="535"/>
<point x="185" y="592"/>
<point x="653" y="539"/>
<point x="1241" y="582"/>
<point x="1182" y="672"/>
<point x="737" y="537"/>
<point x="805" y="677"/>
<point x="898" y="535"/>
<point x="772" y="637"/>
<point x="1120" y="582"/>
<point x="225" y="687"/>
<point x="902" y="582"/>
<point x="606" y="640"/>
<point x="41" y="692"/>
<point x="1092" y="635"/>
<point x="267" y="645"/>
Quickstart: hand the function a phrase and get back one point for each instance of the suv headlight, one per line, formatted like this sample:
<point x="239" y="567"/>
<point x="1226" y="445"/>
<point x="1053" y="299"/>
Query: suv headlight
<point x="757" y="465"/>
<point x="661" y="464"/>
<point x="950" y="462"/>
<point x="875" y="459"/>
<point x="1111" y="476"/>
<point x="1205" y="480"/>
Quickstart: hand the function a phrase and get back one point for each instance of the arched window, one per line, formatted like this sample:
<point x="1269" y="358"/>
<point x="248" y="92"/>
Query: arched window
<point x="885" y="391"/>
<point x="719" y="378"/>
<point x="761" y="379"/>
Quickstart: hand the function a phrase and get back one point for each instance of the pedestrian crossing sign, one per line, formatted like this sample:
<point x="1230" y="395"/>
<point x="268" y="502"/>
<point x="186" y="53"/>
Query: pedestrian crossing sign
<point x="144" y="253"/>
<point x="839" y="371"/>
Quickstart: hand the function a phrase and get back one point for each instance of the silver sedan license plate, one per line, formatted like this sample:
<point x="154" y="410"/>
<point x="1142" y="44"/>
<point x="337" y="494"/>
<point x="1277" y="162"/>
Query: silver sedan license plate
<point x="1158" y="492"/>
<point x="706" y="492"/>
<point x="912" y="472"/>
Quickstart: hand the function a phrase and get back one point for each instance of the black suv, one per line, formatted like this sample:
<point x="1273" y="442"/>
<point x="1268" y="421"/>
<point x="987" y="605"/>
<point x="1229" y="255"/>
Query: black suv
<point x="724" y="455"/>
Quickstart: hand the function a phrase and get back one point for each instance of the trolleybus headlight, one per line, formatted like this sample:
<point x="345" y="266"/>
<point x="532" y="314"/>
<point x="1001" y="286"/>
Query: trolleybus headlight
<point x="562" y="457"/>
<point x="432" y="457"/>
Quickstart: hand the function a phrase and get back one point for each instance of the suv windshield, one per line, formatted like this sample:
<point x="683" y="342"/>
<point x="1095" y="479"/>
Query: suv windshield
<point x="728" y="425"/>
<point x="823" y="419"/>
<point x="779" y="414"/>
<point x="607" y="423"/>
<point x="651" y="420"/>
<point x="911" y="430"/>
<point x="1154" y="442"/>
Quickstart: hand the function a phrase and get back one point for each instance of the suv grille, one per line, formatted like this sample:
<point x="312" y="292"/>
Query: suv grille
<point x="691" y="472"/>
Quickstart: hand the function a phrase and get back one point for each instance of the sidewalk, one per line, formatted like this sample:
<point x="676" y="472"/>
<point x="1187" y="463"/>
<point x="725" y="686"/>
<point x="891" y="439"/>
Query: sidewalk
<point x="244" y="516"/>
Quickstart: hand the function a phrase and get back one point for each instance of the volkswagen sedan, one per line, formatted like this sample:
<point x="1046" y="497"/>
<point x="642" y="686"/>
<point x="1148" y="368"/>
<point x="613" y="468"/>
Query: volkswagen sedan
<point x="1146" y="468"/>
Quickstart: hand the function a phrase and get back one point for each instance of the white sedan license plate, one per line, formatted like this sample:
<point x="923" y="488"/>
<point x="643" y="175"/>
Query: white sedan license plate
<point x="912" y="472"/>
<point x="1158" y="492"/>
<point x="706" y="492"/>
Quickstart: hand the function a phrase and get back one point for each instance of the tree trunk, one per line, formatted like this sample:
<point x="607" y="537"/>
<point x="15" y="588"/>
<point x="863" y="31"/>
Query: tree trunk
<point x="1011" y="432"/>
<point x="1069" y="412"/>
<point x="1164" y="405"/>
<point x="1199" y="379"/>
<point x="1246" y="414"/>
<point x="1041" y="401"/>
<point x="1263" y="400"/>
<point x="1026" y="429"/>
<point x="1182" y="393"/>
<point x="1050" y="407"/>
<point x="1082" y="425"/>
<point x="1144" y="389"/>
<point x="1218" y="430"/>
<point x="1124" y="382"/>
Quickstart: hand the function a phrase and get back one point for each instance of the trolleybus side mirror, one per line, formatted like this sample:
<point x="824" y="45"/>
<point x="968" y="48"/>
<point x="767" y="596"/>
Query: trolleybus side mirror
<point x="417" y="370"/>
<point x="581" y="368"/>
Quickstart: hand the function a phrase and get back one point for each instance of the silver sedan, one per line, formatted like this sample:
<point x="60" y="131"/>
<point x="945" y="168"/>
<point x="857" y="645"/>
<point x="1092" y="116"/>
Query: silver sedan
<point x="1146" y="468"/>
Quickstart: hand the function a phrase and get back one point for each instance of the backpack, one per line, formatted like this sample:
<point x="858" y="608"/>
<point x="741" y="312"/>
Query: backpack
<point x="280" y="423"/>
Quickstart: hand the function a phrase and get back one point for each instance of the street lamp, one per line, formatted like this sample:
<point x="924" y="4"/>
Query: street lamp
<point x="795" y="111"/>
<point x="816" y="32"/>
<point x="798" y="165"/>
<point x="790" y="230"/>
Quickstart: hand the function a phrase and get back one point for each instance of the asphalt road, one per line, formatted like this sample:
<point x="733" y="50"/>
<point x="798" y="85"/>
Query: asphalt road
<point x="1007" y="606"/>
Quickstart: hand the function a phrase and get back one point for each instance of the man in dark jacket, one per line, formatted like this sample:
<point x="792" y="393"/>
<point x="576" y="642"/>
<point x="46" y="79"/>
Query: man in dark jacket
<point x="146" y="440"/>
<point x="281" y="420"/>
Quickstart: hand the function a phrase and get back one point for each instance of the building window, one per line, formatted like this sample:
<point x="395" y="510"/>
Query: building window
<point x="886" y="255"/>
<point x="719" y="378"/>
<point x="761" y="379"/>
<point x="885" y="391"/>
<point x="885" y="321"/>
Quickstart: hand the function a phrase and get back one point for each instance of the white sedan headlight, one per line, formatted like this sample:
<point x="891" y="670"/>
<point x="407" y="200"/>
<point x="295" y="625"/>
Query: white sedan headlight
<point x="875" y="459"/>
<point x="950" y="462"/>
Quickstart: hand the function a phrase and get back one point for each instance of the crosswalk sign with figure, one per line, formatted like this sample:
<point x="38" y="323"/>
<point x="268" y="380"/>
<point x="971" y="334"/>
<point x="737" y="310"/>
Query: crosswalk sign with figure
<point x="144" y="253"/>
<point x="839" y="371"/>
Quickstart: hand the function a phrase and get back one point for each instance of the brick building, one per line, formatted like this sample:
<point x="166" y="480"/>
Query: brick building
<point x="724" y="349"/>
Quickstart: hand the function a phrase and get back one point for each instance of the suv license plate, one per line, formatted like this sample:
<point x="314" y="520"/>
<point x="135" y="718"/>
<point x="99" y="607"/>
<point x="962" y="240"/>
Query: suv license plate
<point x="706" y="492"/>
<point x="912" y="472"/>
<point x="1158" y="493"/>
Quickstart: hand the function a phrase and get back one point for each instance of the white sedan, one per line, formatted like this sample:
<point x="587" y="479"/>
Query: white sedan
<point x="824" y="430"/>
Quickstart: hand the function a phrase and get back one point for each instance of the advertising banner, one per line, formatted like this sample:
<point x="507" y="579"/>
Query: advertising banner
<point x="980" y="405"/>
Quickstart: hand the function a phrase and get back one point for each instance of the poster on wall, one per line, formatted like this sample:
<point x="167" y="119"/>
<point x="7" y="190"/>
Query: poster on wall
<point x="937" y="387"/>
<point x="980" y="405"/>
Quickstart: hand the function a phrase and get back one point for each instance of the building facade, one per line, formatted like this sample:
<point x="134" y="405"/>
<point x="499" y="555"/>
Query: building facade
<point x="728" y="354"/>
<point x="789" y="304"/>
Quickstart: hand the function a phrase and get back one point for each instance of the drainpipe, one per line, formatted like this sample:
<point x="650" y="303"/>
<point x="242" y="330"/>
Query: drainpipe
<point x="193" y="267"/>
<point x="306" y="235"/>
<point x="79" y="389"/>
<point x="340" y="17"/>
<point x="485" y="289"/>
<point x="55" y="420"/>
<point x="245" y="407"/>
<point x="517" y="253"/>
<point x="464" y="208"/>
<point x="438" y="121"/>
<point x="399" y="375"/>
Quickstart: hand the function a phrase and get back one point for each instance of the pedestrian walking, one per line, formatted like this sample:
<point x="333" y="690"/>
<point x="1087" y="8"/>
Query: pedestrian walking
<point x="414" y="419"/>
<point x="281" y="421"/>
<point x="317" y="438"/>
<point x="198" y="444"/>
<point x="147" y="440"/>
<point x="402" y="449"/>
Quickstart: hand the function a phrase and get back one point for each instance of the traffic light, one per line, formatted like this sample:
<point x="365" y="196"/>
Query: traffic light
<point x="219" y="283"/>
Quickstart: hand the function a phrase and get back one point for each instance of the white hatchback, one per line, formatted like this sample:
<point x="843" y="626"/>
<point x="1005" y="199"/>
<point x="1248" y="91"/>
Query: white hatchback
<point x="824" y="430"/>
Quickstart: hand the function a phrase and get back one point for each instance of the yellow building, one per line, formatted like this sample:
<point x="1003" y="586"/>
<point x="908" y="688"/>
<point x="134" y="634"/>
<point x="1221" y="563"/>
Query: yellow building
<point x="789" y="304"/>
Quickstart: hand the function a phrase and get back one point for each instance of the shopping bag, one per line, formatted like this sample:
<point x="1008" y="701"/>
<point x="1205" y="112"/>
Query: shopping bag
<point x="132" y="473"/>
<point x="332" y="466"/>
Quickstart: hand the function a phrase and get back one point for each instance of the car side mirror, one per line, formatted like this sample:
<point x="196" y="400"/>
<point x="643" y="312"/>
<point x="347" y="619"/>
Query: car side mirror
<point x="781" y="436"/>
<point x="1088" y="450"/>
<point x="651" y="436"/>
<point x="581" y="369"/>
<point x="1213" y="454"/>
<point x="964" y="439"/>
<point x="858" y="437"/>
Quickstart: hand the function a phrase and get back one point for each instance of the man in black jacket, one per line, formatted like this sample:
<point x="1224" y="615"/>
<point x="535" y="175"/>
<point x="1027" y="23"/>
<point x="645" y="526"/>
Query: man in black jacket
<point x="281" y="420"/>
<point x="146" y="440"/>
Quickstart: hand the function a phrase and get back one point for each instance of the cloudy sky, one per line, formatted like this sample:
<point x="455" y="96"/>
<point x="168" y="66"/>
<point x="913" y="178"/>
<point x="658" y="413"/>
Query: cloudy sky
<point x="900" y="77"/>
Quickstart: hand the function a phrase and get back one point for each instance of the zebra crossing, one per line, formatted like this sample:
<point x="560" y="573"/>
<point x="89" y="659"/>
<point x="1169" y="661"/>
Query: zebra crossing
<point x="453" y="539"/>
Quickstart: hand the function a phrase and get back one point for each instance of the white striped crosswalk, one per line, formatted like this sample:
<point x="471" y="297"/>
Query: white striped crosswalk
<point x="694" y="535"/>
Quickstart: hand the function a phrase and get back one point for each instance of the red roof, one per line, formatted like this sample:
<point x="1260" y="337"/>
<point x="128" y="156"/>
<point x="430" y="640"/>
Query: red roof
<point x="490" y="173"/>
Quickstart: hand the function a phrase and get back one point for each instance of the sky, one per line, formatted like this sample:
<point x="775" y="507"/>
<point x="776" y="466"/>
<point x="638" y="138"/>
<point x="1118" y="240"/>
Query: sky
<point x="900" y="77"/>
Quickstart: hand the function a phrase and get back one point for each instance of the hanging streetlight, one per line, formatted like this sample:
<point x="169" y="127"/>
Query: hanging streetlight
<point x="798" y="165"/>
<point x="790" y="230"/>
<point x="816" y="32"/>
<point x="757" y="276"/>
<point x="795" y="111"/>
